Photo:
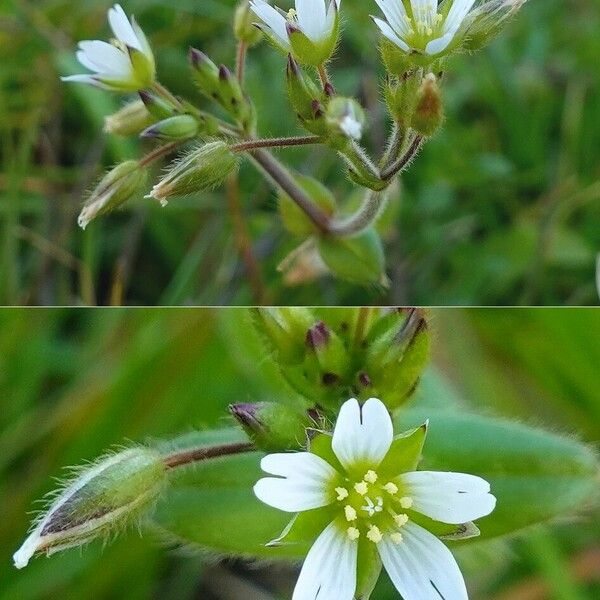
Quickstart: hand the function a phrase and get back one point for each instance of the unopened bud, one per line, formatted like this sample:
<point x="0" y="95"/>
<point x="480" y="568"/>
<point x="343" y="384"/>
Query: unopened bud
<point x="116" y="187"/>
<point x="206" y="73"/>
<point x="201" y="169"/>
<point x="130" y="120"/>
<point x="429" y="110"/>
<point x="160" y="108"/>
<point x="181" y="127"/>
<point x="401" y="98"/>
<point x="115" y="491"/>
<point x="243" y="25"/>
<point x="306" y="98"/>
<point x="271" y="426"/>
<point x="397" y="352"/>
<point x="345" y="117"/>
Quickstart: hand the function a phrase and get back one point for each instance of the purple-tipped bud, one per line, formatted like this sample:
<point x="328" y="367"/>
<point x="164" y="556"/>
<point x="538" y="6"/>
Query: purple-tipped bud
<point x="317" y="336"/>
<point x="197" y="58"/>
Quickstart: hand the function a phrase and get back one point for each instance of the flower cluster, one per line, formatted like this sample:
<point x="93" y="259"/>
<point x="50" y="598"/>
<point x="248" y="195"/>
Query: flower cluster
<point x="417" y="36"/>
<point x="362" y="484"/>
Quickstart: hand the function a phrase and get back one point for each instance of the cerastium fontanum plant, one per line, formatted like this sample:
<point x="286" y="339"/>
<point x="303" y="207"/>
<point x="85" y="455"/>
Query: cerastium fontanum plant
<point x="418" y="37"/>
<point x="343" y="474"/>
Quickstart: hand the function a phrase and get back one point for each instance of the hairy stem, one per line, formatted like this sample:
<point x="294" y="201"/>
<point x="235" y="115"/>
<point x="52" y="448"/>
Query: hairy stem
<point x="364" y="217"/>
<point x="240" y="62"/>
<point x="162" y="91"/>
<point x="158" y="153"/>
<point x="325" y="82"/>
<point x="275" y="143"/>
<point x="186" y="457"/>
<point x="280" y="175"/>
<point x="402" y="161"/>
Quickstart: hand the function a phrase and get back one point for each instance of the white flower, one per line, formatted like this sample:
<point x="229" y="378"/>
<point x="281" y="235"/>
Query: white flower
<point x="125" y="65"/>
<point x="309" y="32"/>
<point x="366" y="501"/>
<point x="421" y="25"/>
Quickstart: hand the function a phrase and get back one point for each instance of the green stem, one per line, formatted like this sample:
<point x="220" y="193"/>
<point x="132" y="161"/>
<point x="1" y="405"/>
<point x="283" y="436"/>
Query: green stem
<point x="162" y="91"/>
<point x="281" y="176"/>
<point x="401" y="163"/>
<point x="240" y="63"/>
<point x="363" y="218"/>
<point x="186" y="457"/>
<point x="158" y="153"/>
<point x="275" y="143"/>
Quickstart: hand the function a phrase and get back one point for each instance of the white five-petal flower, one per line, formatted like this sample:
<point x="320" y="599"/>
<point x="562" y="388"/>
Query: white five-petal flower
<point x="370" y="503"/>
<point x="125" y="65"/>
<point x="421" y="25"/>
<point x="317" y="23"/>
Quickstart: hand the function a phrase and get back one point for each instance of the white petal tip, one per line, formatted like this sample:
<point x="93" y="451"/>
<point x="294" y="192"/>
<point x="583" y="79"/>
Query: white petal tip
<point x="23" y="555"/>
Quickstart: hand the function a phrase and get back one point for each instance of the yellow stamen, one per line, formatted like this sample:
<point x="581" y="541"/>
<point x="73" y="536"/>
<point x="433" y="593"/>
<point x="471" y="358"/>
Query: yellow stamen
<point x="406" y="502"/>
<point x="401" y="520"/>
<point x="374" y="534"/>
<point x="371" y="477"/>
<point x="342" y="493"/>
<point x="396" y="537"/>
<point x="353" y="533"/>
<point x="350" y="513"/>
<point x="391" y="488"/>
<point x="361" y="488"/>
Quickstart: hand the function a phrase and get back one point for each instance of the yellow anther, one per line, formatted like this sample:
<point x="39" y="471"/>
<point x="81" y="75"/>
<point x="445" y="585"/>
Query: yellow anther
<point x="391" y="488"/>
<point x="371" y="477"/>
<point x="401" y="520"/>
<point x="342" y="493"/>
<point x="361" y="488"/>
<point x="353" y="533"/>
<point x="350" y="513"/>
<point x="292" y="14"/>
<point x="406" y="502"/>
<point x="374" y="534"/>
<point x="429" y="31"/>
<point x="396" y="537"/>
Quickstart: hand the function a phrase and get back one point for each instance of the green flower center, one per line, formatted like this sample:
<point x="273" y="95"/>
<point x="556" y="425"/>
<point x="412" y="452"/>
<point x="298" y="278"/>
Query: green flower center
<point x="373" y="507"/>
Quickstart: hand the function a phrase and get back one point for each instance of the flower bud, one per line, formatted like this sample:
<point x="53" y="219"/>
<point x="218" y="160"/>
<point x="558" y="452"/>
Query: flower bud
<point x="115" y="491"/>
<point x="362" y="352"/>
<point x="160" y="108"/>
<point x="133" y="118"/>
<point x="359" y="259"/>
<point x="181" y="127"/>
<point x="201" y="169"/>
<point x="294" y="219"/>
<point x="397" y="352"/>
<point x="429" y="110"/>
<point x="206" y="73"/>
<point x="401" y="98"/>
<point x="116" y="187"/>
<point x="306" y="98"/>
<point x="271" y="426"/>
<point x="243" y="27"/>
<point x="345" y="118"/>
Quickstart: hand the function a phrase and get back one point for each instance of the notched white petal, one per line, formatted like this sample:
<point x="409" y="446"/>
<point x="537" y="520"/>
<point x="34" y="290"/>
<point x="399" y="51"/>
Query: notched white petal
<point x="449" y="497"/>
<point x="362" y="435"/>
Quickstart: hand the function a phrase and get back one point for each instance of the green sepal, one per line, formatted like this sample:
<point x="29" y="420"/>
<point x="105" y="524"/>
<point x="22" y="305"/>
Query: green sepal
<point x="304" y="528"/>
<point x="310" y="53"/>
<point x="405" y="453"/>
<point x="358" y="259"/>
<point x="177" y="128"/>
<point x="294" y="219"/>
<point x="320" y="444"/>
<point x="368" y="569"/>
<point x="445" y="531"/>
<point x="144" y="69"/>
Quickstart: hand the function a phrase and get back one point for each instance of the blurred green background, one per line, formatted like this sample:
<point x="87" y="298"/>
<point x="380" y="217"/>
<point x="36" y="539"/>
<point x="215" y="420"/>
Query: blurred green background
<point x="503" y="206"/>
<point x="75" y="382"/>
